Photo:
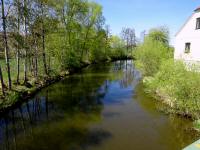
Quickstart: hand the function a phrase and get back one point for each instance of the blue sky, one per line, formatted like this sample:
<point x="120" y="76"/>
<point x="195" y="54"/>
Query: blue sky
<point x="146" y="14"/>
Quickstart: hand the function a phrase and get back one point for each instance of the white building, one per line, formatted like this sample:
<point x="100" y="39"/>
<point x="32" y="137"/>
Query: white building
<point x="187" y="42"/>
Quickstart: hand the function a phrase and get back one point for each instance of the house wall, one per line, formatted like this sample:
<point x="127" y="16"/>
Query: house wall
<point x="188" y="34"/>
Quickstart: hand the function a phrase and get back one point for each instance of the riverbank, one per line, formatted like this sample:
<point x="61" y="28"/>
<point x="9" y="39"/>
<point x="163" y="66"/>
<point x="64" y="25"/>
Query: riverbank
<point x="92" y="106"/>
<point x="21" y="92"/>
<point x="178" y="89"/>
<point x="170" y="81"/>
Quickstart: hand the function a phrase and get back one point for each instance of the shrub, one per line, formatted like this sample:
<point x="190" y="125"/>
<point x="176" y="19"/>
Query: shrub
<point x="149" y="56"/>
<point x="179" y="85"/>
<point x="97" y="55"/>
<point x="118" y="53"/>
<point x="155" y="49"/>
<point x="72" y="60"/>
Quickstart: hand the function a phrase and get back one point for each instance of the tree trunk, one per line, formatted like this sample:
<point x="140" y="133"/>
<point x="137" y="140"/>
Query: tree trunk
<point x="6" y="45"/>
<point x="2" y="82"/>
<point x="25" y="68"/>
<point x="18" y="26"/>
<point x="84" y="44"/>
<point x="49" y="67"/>
<point x="36" y="61"/>
<point x="127" y="47"/>
<point x="25" y="28"/>
<point x="43" y="43"/>
<point x="18" y="66"/>
<point x="44" y="54"/>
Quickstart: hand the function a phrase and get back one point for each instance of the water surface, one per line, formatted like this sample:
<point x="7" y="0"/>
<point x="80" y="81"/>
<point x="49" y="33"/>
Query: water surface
<point x="104" y="107"/>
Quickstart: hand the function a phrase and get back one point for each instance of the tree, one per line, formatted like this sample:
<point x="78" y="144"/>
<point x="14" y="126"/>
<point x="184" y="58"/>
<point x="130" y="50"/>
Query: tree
<point x="128" y="35"/>
<point x="93" y="15"/>
<point x="48" y="37"/>
<point x="159" y="34"/>
<point x="43" y="39"/>
<point x="5" y="39"/>
<point x="17" y="34"/>
<point x="2" y="82"/>
<point x="25" y="19"/>
<point x="118" y="49"/>
<point x="150" y="54"/>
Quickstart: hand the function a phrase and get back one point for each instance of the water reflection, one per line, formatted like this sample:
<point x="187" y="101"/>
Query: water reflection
<point x="88" y="110"/>
<point x="60" y="113"/>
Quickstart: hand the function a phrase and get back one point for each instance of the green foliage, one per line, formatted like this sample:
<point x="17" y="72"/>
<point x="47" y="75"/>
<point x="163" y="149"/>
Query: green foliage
<point x="179" y="86"/>
<point x="11" y="99"/>
<point x="72" y="61"/>
<point x="150" y="54"/>
<point x="197" y="124"/>
<point x="176" y="83"/>
<point x="117" y="48"/>
<point x="47" y="37"/>
<point x="159" y="34"/>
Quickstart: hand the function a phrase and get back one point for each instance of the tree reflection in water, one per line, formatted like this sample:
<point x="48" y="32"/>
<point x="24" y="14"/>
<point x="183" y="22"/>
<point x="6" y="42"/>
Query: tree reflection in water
<point x="58" y="117"/>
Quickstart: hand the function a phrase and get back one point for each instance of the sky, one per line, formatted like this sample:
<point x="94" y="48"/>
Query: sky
<point x="146" y="14"/>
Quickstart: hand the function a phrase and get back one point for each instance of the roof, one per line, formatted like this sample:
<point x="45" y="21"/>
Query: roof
<point x="197" y="9"/>
<point x="185" y="24"/>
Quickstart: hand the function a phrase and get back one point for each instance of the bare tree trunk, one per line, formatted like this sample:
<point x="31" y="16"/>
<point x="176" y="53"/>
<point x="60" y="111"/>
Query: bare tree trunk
<point x="18" y="66"/>
<point x="2" y="82"/>
<point x="43" y="43"/>
<point x="36" y="63"/>
<point x="49" y="66"/>
<point x="25" y="68"/>
<point x="35" y="60"/>
<point x="127" y="47"/>
<point x="18" y="26"/>
<point x="6" y="45"/>
<point x="33" y="66"/>
<point x="44" y="54"/>
<point x="25" y="27"/>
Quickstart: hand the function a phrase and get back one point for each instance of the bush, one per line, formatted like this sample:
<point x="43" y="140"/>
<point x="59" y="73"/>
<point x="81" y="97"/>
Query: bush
<point x="97" y="55"/>
<point x="118" y="53"/>
<point x="72" y="60"/>
<point x="173" y="81"/>
<point x="118" y="48"/>
<point x="149" y="56"/>
<point x="176" y="83"/>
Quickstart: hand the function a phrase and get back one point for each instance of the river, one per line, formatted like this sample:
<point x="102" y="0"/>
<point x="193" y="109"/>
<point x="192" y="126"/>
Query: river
<point x="103" y="107"/>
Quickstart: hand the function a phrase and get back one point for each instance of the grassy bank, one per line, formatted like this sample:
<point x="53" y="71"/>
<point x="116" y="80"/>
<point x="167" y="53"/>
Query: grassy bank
<point x="177" y="87"/>
<point x="170" y="81"/>
<point x="21" y="92"/>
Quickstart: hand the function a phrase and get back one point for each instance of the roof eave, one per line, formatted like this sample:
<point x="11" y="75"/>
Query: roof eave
<point x="184" y="25"/>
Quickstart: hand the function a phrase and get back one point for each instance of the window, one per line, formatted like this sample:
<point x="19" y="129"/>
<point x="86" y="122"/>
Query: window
<point x="187" y="47"/>
<point x="198" y="23"/>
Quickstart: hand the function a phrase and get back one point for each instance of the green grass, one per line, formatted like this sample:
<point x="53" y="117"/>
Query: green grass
<point x="18" y="91"/>
<point x="55" y="71"/>
<point x="13" y="68"/>
<point x="197" y="124"/>
<point x="179" y="86"/>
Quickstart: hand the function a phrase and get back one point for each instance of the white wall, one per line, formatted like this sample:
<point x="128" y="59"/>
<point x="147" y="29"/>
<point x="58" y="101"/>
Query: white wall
<point x="188" y="34"/>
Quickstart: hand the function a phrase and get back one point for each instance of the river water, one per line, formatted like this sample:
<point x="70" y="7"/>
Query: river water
<point x="103" y="107"/>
